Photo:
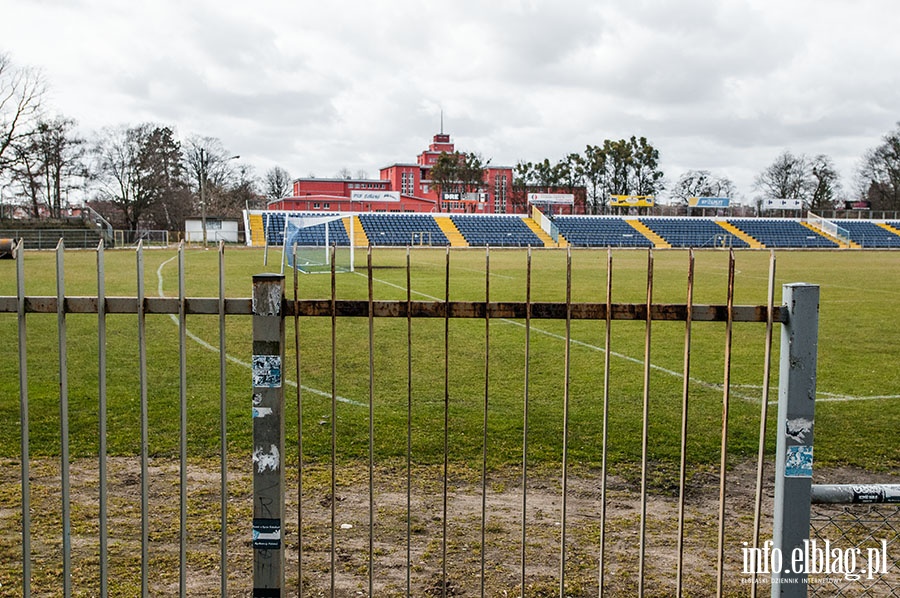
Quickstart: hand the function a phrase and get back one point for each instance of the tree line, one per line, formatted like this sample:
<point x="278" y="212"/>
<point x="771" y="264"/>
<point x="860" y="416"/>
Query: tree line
<point x="631" y="167"/>
<point x="139" y="176"/>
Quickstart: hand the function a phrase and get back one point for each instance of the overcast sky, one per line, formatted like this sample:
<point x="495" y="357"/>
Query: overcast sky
<point x="314" y="87"/>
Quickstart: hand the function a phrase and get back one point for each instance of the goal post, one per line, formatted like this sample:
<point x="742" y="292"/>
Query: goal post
<point x="310" y="242"/>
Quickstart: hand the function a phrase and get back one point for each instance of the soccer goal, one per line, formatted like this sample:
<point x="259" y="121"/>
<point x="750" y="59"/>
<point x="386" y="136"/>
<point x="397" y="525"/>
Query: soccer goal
<point x="315" y="244"/>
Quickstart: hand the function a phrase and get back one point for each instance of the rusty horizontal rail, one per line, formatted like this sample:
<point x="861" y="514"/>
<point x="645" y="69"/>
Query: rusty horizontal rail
<point x="677" y="312"/>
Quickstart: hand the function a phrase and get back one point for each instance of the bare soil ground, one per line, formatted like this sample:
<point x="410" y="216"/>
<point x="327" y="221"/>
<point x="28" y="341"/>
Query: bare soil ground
<point x="428" y="568"/>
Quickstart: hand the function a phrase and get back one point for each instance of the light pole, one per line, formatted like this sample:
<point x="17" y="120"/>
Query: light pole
<point x="204" y="171"/>
<point x="2" y="206"/>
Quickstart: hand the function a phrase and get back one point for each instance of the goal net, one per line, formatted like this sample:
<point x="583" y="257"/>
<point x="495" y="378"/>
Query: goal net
<point x="313" y="244"/>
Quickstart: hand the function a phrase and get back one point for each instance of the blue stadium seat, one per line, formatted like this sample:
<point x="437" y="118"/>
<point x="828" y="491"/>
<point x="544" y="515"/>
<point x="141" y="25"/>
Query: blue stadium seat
<point x="782" y="232"/>
<point x="402" y="229"/>
<point x="868" y="234"/>
<point x="693" y="232"/>
<point x="496" y="231"/>
<point x="600" y="231"/>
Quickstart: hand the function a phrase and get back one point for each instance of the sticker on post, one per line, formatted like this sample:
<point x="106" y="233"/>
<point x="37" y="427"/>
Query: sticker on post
<point x="798" y="428"/>
<point x="267" y="461"/>
<point x="267" y="304"/>
<point x="267" y="371"/>
<point x="267" y="533"/>
<point x="799" y="462"/>
<point x="261" y="411"/>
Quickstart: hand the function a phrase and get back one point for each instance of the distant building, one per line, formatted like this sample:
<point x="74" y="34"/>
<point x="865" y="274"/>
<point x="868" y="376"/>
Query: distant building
<point x="407" y="187"/>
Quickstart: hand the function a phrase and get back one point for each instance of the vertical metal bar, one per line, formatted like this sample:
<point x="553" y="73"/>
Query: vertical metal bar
<point x="371" y="308"/>
<point x="446" y="421"/>
<point x="333" y="420"/>
<point x="685" y="392"/>
<point x="603" y="463"/>
<point x="266" y="240"/>
<point x="299" y="424"/>
<point x="525" y="401"/>
<point x="182" y="425"/>
<point x="764" y="412"/>
<point x="408" y="427"/>
<point x="23" y="419"/>
<point x="145" y="473"/>
<point x="64" y="420"/>
<point x="101" y="391"/>
<point x="223" y="429"/>
<point x="794" y="449"/>
<point x="484" y="425"/>
<point x="645" y="430"/>
<point x="565" y="450"/>
<point x="726" y="400"/>
<point x="268" y="434"/>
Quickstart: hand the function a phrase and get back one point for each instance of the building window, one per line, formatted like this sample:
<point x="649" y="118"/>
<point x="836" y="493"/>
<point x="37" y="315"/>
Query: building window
<point x="500" y="194"/>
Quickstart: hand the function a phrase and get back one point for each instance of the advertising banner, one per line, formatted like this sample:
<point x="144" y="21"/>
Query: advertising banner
<point x="374" y="196"/>
<point x="554" y="198"/>
<point x="632" y="201"/>
<point x="709" y="202"/>
<point x="782" y="204"/>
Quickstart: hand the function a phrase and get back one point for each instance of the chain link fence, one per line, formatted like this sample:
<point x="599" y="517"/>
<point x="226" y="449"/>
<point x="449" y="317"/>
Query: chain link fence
<point x="857" y="536"/>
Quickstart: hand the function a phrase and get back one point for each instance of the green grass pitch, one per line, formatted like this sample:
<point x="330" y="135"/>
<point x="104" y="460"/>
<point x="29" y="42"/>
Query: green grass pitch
<point x="858" y="374"/>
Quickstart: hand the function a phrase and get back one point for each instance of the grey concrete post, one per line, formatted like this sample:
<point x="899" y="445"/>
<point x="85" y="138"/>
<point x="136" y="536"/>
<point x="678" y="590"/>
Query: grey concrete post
<point x="268" y="435"/>
<point x="794" y="446"/>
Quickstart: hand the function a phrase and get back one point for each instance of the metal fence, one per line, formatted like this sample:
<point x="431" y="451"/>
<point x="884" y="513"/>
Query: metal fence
<point x="41" y="238"/>
<point x="873" y="529"/>
<point x="565" y="519"/>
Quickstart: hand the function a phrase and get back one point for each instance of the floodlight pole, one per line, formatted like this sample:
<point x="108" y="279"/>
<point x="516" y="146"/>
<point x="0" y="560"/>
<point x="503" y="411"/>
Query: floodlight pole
<point x="203" y="193"/>
<point x="204" y="171"/>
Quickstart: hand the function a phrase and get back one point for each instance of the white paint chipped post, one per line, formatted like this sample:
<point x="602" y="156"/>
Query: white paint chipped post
<point x="794" y="444"/>
<point x="268" y="434"/>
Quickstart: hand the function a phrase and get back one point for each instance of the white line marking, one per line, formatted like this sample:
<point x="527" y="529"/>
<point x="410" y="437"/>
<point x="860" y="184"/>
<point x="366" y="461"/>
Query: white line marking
<point x="822" y="397"/>
<point x="237" y="361"/>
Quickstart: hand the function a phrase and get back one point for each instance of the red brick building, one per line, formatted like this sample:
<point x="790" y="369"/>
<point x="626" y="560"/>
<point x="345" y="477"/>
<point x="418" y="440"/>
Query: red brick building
<point x="407" y="187"/>
<point x="403" y="187"/>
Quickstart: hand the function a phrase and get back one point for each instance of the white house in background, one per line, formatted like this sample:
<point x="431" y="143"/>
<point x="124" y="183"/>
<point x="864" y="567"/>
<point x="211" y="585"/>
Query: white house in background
<point x="224" y="229"/>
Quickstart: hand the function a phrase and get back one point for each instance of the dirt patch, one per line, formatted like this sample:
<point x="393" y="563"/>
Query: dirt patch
<point x="443" y="559"/>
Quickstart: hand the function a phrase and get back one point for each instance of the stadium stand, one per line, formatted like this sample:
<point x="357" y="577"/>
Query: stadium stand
<point x="868" y="234"/>
<point x="599" y="231"/>
<point x="496" y="231"/>
<point x="402" y="229"/>
<point x="782" y="232"/>
<point x="693" y="232"/>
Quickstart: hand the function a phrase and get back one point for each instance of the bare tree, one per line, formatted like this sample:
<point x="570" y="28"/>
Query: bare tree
<point x="788" y="177"/>
<point x="701" y="183"/>
<point x="136" y="168"/>
<point x="825" y="183"/>
<point x="21" y="92"/>
<point x="61" y="153"/>
<point x="212" y="171"/>
<point x="277" y="183"/>
<point x="879" y="173"/>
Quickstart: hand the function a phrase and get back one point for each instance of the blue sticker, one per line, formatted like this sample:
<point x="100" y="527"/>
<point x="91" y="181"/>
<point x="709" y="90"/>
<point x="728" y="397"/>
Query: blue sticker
<point x="799" y="462"/>
<point x="267" y="371"/>
<point x="267" y="533"/>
